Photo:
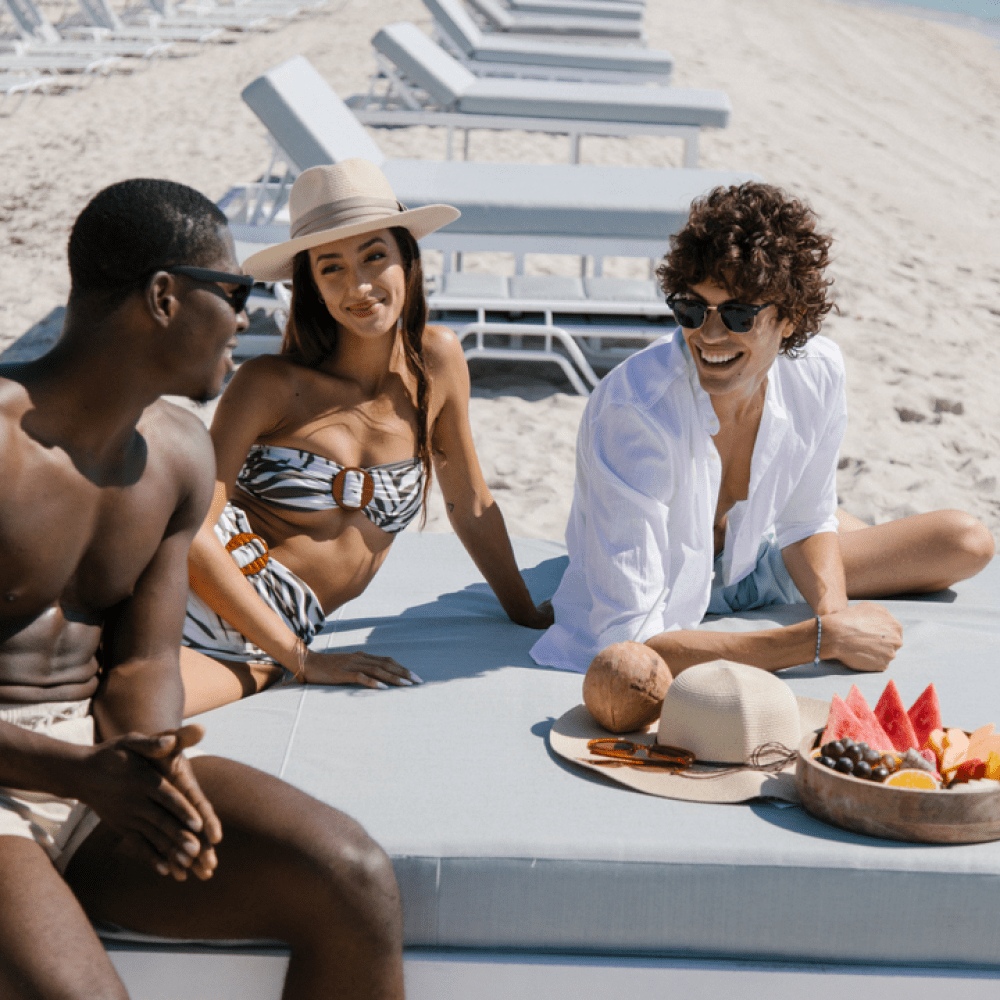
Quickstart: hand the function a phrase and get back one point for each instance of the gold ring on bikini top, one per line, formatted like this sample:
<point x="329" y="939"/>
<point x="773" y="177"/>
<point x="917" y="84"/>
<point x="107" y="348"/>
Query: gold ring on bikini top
<point x="248" y="538"/>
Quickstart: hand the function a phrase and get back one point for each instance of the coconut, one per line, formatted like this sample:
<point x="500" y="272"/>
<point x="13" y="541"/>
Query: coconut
<point x="625" y="686"/>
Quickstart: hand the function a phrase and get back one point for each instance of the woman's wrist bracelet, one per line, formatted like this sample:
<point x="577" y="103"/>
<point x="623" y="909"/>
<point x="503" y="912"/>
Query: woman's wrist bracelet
<point x="819" y="639"/>
<point x="301" y="651"/>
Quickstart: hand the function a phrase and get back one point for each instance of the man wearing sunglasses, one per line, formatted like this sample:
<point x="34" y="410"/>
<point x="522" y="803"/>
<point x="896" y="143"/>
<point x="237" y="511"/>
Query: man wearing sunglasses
<point x="706" y="469"/>
<point x="102" y="813"/>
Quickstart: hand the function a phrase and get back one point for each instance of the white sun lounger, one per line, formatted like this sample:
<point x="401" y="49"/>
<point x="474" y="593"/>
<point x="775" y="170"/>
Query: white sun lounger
<point x="526" y="878"/>
<point x="497" y="18"/>
<point x="518" y="208"/>
<point x="40" y="35"/>
<point x="579" y="8"/>
<point x="102" y="16"/>
<point x="500" y="54"/>
<point x="233" y="17"/>
<point x="20" y="85"/>
<point x="424" y="85"/>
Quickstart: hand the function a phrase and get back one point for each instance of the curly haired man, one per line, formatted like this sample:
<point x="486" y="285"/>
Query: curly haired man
<point x="706" y="469"/>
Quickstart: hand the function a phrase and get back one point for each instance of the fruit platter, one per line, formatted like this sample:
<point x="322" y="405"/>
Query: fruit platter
<point x="900" y="774"/>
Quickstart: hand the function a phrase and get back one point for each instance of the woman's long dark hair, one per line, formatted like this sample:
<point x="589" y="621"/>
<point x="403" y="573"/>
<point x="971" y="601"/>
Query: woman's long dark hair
<point x="311" y="334"/>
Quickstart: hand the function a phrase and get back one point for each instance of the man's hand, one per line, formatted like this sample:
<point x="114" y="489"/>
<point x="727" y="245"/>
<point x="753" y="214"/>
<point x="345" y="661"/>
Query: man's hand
<point x="541" y="617"/>
<point x="143" y="788"/>
<point x="356" y="668"/>
<point x="864" y="637"/>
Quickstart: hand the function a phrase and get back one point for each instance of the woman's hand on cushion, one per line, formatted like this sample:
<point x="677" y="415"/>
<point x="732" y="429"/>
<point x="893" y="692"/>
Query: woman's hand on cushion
<point x="356" y="668"/>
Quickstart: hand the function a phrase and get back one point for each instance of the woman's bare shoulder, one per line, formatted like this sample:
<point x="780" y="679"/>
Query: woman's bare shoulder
<point x="443" y="353"/>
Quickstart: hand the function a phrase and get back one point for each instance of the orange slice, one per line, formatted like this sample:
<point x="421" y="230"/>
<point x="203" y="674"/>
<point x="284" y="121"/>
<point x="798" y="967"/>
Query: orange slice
<point x="911" y="777"/>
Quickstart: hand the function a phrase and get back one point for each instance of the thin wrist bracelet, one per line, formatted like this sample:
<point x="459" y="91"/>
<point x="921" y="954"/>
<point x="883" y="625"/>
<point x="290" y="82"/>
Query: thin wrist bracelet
<point x="819" y="639"/>
<point x="301" y="651"/>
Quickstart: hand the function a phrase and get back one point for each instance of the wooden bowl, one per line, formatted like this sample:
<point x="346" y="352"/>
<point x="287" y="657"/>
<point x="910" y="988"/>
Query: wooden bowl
<point x="911" y="814"/>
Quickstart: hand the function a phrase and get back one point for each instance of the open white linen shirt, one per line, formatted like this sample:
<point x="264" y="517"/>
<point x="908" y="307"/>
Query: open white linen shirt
<point x="640" y="533"/>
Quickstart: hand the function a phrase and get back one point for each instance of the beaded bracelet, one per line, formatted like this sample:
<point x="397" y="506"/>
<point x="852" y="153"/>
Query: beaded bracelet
<point x="819" y="639"/>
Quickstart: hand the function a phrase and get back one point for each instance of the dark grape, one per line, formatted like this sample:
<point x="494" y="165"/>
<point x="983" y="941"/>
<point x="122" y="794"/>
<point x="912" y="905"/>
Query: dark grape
<point x="863" y="747"/>
<point x="847" y="743"/>
<point x="871" y="757"/>
<point x="844" y="765"/>
<point x="880" y="774"/>
<point x="853" y="753"/>
<point x="830" y="762"/>
<point x="862" y="770"/>
<point x="889" y="763"/>
<point x="834" y="749"/>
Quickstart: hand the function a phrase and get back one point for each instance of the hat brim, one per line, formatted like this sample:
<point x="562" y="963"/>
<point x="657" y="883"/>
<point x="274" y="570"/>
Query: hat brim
<point x="275" y="262"/>
<point x="570" y="733"/>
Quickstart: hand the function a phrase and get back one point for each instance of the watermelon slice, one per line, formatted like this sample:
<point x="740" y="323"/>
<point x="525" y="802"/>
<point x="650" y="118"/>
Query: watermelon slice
<point x="894" y="721"/>
<point x="925" y="714"/>
<point x="855" y="701"/>
<point x="842" y="723"/>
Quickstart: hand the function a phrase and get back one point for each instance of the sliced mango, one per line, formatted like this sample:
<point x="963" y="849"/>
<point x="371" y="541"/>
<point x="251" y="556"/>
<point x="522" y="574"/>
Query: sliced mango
<point x="956" y="744"/>
<point x="993" y="766"/>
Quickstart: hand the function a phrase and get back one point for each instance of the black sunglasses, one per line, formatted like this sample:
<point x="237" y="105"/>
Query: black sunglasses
<point x="237" y="299"/>
<point x="736" y="316"/>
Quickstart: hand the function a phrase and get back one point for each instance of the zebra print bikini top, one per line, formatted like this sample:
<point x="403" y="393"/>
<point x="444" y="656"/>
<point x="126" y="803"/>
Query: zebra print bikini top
<point x="389" y="495"/>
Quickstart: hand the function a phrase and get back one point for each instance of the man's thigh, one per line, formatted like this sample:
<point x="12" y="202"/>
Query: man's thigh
<point x="281" y="851"/>
<point x="47" y="945"/>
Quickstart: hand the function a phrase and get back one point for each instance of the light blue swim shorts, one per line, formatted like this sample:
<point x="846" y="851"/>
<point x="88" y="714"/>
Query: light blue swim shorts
<point x="768" y="583"/>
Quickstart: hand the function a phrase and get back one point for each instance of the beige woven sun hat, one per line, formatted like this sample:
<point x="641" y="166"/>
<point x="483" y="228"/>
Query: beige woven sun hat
<point x="333" y="202"/>
<point x="741" y="723"/>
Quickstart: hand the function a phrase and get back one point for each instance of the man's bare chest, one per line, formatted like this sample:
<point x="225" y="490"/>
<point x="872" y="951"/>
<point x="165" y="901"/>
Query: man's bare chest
<point x="72" y="542"/>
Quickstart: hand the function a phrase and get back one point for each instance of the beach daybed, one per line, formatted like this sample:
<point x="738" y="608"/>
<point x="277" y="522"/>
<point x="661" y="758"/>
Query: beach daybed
<point x="525" y="877"/>
<point x="424" y="85"/>
<point x="502" y="54"/>
<point x="498" y="18"/>
<point x="516" y="208"/>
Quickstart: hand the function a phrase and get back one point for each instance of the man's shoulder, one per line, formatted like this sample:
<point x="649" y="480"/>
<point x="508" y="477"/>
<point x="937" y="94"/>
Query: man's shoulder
<point x="177" y="435"/>
<point x="644" y="378"/>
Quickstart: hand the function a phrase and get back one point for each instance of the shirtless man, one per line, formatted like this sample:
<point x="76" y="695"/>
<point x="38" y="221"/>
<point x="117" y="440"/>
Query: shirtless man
<point x="101" y="813"/>
<point x="706" y="469"/>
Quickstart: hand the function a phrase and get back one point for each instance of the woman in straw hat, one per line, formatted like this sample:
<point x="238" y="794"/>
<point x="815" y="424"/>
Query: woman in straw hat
<point x="324" y="452"/>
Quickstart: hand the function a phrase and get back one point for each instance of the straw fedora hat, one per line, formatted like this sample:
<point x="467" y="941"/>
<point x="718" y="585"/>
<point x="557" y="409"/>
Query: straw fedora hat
<point x="333" y="202"/>
<point x="741" y="724"/>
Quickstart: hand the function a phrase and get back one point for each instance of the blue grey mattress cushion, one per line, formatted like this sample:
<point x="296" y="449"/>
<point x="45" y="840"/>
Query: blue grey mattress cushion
<point x="557" y="199"/>
<point x="596" y="102"/>
<point x="503" y="19"/>
<point x="497" y="843"/>
<point x="582" y="8"/>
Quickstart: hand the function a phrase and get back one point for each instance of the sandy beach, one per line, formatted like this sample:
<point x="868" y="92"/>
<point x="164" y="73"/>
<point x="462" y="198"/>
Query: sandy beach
<point x="887" y="124"/>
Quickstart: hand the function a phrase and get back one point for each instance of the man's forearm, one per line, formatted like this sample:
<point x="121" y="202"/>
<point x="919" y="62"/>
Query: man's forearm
<point x="38" y="763"/>
<point x="817" y="569"/>
<point x="139" y="697"/>
<point x="770" y="649"/>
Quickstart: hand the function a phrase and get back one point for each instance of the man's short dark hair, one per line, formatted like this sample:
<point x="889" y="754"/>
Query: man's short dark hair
<point x="132" y="229"/>
<point x="760" y="244"/>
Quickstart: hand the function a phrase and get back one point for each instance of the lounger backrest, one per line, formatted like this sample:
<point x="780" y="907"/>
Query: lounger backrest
<point x="306" y="118"/>
<point x="455" y="21"/>
<point x="31" y="22"/>
<point x="424" y="62"/>
<point x="101" y="14"/>
<point x="494" y="13"/>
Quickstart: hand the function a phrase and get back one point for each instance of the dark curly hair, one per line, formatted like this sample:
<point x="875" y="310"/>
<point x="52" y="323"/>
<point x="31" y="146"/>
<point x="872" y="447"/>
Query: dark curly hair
<point x="760" y="244"/>
<point x="311" y="334"/>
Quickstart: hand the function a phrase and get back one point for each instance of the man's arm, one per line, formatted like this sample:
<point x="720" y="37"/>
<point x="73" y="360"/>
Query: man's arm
<point x="139" y="781"/>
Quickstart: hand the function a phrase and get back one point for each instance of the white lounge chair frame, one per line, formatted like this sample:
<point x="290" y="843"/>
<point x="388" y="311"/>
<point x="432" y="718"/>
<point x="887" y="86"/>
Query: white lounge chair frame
<point x="493" y="17"/>
<point x="393" y="99"/>
<point x="299" y="105"/>
<point x="503" y="54"/>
